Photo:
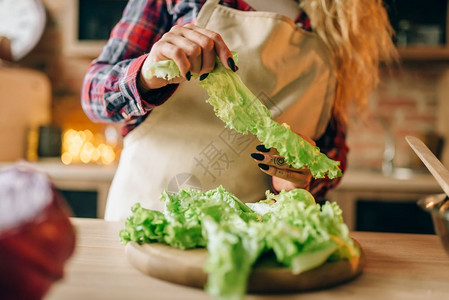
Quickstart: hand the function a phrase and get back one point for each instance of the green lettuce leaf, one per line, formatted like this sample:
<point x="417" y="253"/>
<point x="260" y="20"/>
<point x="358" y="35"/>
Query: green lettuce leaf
<point x="281" y="201"/>
<point x="216" y="219"/>
<point x="301" y="234"/>
<point x="166" y="69"/>
<point x="234" y="246"/>
<point x="240" y="109"/>
<point x="144" y="226"/>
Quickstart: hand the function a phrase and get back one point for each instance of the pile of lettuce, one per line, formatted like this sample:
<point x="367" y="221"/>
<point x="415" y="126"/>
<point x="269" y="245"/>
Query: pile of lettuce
<point x="301" y="234"/>
<point x="240" y="109"/>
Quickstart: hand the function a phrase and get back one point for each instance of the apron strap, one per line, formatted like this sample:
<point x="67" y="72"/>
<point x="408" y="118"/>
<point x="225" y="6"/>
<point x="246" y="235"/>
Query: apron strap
<point x="206" y="12"/>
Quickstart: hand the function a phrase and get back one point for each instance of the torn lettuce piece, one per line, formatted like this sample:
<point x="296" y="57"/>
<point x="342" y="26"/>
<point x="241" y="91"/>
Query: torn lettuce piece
<point x="234" y="246"/>
<point x="144" y="226"/>
<point x="303" y="235"/>
<point x="281" y="201"/>
<point x="166" y="69"/>
<point x="312" y="258"/>
<point x="241" y="111"/>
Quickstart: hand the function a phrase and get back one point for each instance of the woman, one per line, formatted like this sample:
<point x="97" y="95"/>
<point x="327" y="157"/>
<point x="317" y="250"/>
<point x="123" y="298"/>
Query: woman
<point x="306" y="71"/>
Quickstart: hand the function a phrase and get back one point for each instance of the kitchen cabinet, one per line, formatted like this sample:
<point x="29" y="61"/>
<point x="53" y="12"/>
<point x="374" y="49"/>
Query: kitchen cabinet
<point x="82" y="203"/>
<point x="364" y="194"/>
<point x="85" y="186"/>
<point x="421" y="27"/>
<point x="88" y="24"/>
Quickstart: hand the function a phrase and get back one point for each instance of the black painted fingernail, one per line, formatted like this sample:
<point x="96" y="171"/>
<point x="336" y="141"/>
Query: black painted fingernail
<point x="204" y="76"/>
<point x="188" y="76"/>
<point x="231" y="64"/>
<point x="262" y="148"/>
<point x="263" y="167"/>
<point x="257" y="156"/>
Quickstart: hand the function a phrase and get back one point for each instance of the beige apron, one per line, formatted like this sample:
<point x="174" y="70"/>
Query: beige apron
<point x="183" y="144"/>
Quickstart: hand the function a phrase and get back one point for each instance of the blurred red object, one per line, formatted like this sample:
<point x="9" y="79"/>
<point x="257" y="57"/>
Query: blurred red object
<point x="36" y="236"/>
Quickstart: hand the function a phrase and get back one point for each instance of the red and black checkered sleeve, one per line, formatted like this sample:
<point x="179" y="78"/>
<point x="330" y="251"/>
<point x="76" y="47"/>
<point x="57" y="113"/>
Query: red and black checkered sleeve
<point x="109" y="92"/>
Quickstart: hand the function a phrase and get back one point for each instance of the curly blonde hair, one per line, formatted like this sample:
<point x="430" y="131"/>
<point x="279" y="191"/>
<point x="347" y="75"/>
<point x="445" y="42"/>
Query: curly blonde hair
<point x="358" y="34"/>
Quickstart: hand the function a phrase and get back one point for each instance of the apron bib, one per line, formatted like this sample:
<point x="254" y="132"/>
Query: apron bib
<point x="183" y="144"/>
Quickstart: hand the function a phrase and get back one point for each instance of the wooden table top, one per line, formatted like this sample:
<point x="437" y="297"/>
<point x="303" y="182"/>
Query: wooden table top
<point x="398" y="266"/>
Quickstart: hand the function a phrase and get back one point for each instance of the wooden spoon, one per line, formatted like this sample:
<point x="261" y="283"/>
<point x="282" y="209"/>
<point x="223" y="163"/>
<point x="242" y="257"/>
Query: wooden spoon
<point x="432" y="163"/>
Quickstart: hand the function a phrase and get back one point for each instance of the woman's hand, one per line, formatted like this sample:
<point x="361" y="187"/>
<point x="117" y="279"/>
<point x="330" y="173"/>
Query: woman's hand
<point x="192" y="48"/>
<point x="285" y="177"/>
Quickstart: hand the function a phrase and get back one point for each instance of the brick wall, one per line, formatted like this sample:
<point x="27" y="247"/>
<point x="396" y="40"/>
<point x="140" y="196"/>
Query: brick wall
<point x="406" y="101"/>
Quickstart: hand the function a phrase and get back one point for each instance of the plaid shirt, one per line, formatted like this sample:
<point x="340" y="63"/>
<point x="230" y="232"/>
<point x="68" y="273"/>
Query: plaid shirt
<point x="110" y="93"/>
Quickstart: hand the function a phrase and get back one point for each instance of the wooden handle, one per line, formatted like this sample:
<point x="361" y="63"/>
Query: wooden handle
<point x="432" y="163"/>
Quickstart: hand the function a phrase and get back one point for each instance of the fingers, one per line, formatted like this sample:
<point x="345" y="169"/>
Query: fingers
<point x="284" y="175"/>
<point x="266" y="161"/>
<point x="172" y="46"/>
<point x="199" y="48"/>
<point x="271" y="160"/>
<point x="220" y="47"/>
<point x="289" y="177"/>
<point x="271" y="151"/>
<point x="193" y="49"/>
<point x="190" y="50"/>
<point x="270" y="157"/>
<point x="164" y="50"/>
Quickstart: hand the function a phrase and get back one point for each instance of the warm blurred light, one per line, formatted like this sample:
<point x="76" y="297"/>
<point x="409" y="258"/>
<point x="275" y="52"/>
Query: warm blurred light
<point x="66" y="158"/>
<point x="430" y="205"/>
<point x="85" y="147"/>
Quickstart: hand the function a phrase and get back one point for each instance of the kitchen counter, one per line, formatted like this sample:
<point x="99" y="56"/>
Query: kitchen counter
<point x="399" y="266"/>
<point x="403" y="180"/>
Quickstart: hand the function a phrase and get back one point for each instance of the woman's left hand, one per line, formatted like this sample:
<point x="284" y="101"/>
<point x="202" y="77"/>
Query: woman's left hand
<point x="285" y="177"/>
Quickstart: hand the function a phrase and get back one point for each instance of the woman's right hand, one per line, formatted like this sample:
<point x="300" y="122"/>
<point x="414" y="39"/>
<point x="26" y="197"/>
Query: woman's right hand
<point x="192" y="48"/>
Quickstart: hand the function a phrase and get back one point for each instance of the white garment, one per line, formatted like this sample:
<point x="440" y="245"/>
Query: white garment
<point x="183" y="144"/>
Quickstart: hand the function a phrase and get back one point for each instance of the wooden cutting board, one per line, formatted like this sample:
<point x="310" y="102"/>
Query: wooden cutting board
<point x="186" y="267"/>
